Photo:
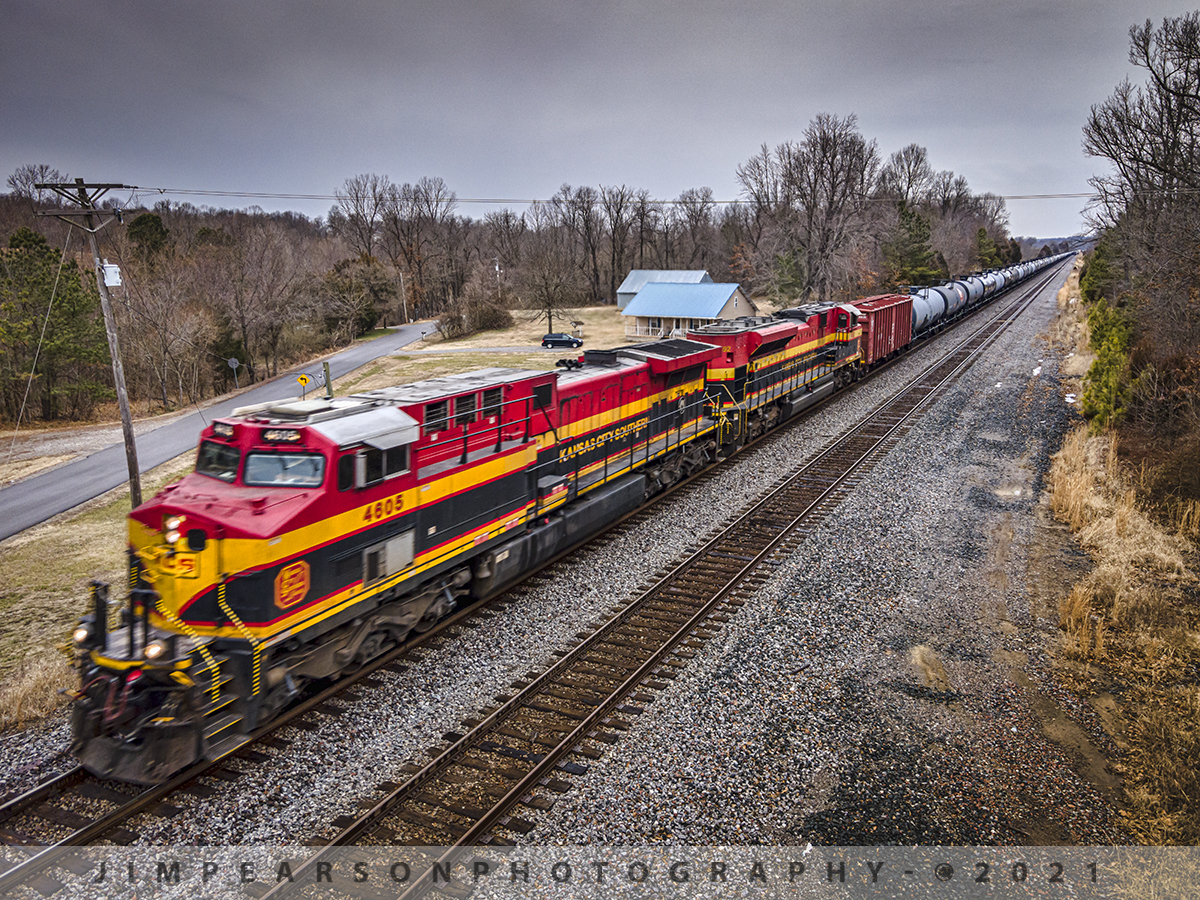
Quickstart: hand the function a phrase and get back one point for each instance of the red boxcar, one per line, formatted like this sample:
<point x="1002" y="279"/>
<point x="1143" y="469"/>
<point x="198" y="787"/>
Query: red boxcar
<point x="887" y="325"/>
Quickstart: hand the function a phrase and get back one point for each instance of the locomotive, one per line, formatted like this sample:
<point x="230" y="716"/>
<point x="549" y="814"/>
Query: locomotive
<point x="315" y="534"/>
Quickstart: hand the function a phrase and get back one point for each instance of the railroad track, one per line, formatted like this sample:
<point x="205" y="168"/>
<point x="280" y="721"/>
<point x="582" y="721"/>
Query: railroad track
<point x="521" y="747"/>
<point x="519" y="750"/>
<point x="76" y="808"/>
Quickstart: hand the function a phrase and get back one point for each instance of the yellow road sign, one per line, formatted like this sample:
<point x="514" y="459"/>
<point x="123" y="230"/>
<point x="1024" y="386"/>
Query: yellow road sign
<point x="303" y="379"/>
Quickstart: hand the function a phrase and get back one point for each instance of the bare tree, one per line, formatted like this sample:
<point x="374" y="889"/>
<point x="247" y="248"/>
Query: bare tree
<point x="646" y="214"/>
<point x="22" y="181"/>
<point x="907" y="174"/>
<point x="814" y="193"/>
<point x="551" y="280"/>
<point x="1148" y="203"/>
<point x="578" y="209"/>
<point x="696" y="208"/>
<point x="358" y="215"/>
<point x="1150" y="133"/>
<point x="618" y="204"/>
<point x="418" y="230"/>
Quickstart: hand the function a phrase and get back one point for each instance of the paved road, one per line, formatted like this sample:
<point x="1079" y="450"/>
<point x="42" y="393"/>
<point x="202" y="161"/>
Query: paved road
<point x="36" y="499"/>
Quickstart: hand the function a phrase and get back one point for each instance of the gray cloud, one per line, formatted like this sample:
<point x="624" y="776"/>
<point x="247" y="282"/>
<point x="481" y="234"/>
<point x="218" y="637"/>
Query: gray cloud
<point x="512" y="99"/>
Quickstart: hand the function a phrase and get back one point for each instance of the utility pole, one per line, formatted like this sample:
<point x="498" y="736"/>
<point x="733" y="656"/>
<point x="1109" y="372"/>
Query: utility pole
<point x="86" y="196"/>
<point x="403" y="296"/>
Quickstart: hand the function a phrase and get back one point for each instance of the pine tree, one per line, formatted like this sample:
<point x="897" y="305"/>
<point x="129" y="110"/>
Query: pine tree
<point x="909" y="256"/>
<point x="62" y="356"/>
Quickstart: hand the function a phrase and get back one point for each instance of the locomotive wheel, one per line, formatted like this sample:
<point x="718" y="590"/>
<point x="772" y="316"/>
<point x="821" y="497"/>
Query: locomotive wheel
<point x="374" y="644"/>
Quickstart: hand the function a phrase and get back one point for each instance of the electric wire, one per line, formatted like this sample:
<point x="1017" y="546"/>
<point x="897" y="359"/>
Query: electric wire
<point x="41" y="341"/>
<point x="524" y="201"/>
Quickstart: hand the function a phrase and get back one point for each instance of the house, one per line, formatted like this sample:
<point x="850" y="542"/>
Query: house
<point x="639" y="278"/>
<point x="663" y="309"/>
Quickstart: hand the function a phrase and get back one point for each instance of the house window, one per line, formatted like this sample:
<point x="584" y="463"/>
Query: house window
<point x="654" y="322"/>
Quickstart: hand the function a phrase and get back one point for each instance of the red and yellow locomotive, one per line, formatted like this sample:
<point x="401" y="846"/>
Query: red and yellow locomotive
<point x="314" y="534"/>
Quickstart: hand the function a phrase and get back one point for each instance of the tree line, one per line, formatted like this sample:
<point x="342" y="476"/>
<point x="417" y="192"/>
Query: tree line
<point x="824" y="216"/>
<point x="1142" y="281"/>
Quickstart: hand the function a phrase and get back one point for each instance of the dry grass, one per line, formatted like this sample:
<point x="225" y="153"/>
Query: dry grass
<point x="603" y="327"/>
<point x="34" y="690"/>
<point x="1070" y="330"/>
<point x="45" y="571"/>
<point x="1134" y="613"/>
<point x="433" y="356"/>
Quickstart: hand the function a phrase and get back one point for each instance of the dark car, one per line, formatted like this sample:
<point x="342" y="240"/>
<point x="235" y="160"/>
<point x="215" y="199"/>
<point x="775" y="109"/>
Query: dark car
<point x="561" y="340"/>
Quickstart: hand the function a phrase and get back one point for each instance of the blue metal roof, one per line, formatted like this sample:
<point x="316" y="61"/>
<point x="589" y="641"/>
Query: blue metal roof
<point x="635" y="280"/>
<point x="694" y="301"/>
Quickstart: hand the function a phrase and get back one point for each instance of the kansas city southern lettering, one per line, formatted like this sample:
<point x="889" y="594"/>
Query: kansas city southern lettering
<point x="603" y="438"/>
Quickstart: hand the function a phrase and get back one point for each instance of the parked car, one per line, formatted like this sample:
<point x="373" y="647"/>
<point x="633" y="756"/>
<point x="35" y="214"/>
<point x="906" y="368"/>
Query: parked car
<point x="561" y="340"/>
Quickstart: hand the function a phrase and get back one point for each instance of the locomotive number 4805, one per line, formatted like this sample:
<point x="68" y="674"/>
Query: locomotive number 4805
<point x="383" y="508"/>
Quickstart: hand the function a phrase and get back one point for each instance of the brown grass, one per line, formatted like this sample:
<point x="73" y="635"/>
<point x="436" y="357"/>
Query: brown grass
<point x="603" y="327"/>
<point x="1135" y="614"/>
<point x="1070" y="330"/>
<point x="34" y="690"/>
<point x="45" y="571"/>
<point x="1132" y="615"/>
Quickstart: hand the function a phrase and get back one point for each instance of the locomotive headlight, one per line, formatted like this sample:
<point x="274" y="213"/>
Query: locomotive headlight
<point x="154" y="650"/>
<point x="82" y="634"/>
<point x="172" y="537"/>
<point x="173" y="523"/>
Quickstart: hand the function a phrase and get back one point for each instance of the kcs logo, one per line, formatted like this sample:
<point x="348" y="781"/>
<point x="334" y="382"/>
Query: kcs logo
<point x="291" y="584"/>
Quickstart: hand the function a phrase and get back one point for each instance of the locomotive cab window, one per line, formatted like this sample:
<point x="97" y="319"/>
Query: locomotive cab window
<point x="284" y="469"/>
<point x="378" y="463"/>
<point x="218" y="461"/>
<point x="843" y="320"/>
<point x="346" y="469"/>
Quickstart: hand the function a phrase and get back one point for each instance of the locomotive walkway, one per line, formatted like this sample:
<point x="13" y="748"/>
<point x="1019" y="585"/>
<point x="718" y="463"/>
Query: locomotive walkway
<point x="36" y="499"/>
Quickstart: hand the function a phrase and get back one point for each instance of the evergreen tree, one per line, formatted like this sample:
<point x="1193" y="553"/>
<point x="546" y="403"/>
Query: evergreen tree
<point x="909" y="256"/>
<point x="51" y="333"/>
<point x="985" y="248"/>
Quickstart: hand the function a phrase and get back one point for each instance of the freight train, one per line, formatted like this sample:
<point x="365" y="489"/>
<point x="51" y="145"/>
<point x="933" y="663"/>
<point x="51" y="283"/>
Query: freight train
<point x="315" y="534"/>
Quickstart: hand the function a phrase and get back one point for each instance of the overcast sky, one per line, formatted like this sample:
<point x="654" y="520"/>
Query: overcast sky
<point x="513" y="98"/>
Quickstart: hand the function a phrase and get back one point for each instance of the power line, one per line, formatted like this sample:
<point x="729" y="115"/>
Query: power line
<point x="524" y="201"/>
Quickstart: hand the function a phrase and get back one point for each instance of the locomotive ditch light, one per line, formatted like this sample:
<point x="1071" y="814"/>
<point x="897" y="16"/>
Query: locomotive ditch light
<point x="155" y="650"/>
<point x="83" y="633"/>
